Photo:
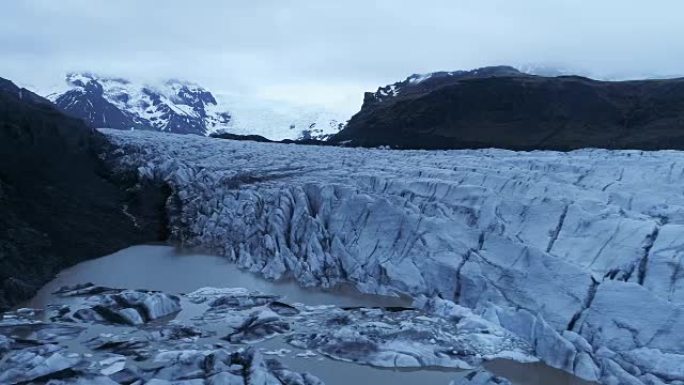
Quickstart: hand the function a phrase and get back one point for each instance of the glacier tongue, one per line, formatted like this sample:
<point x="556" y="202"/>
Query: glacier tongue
<point x="578" y="253"/>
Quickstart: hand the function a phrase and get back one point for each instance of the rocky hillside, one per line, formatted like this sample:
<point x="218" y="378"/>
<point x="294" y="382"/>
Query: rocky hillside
<point x="186" y="108"/>
<point x="501" y="107"/>
<point x="58" y="204"/>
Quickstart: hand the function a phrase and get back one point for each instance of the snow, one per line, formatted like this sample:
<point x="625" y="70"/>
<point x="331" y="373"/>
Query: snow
<point x="136" y="99"/>
<point x="389" y="91"/>
<point x="419" y="78"/>
<point x="562" y="249"/>
<point x="79" y="78"/>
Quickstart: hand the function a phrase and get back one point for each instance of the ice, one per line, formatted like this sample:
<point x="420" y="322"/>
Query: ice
<point x="575" y="253"/>
<point x="405" y="338"/>
<point x="133" y="307"/>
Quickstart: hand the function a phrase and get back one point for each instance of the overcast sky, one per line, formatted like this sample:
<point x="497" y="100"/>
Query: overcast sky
<point x="330" y="51"/>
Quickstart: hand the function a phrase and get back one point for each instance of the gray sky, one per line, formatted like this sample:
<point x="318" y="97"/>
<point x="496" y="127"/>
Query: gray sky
<point x="328" y="52"/>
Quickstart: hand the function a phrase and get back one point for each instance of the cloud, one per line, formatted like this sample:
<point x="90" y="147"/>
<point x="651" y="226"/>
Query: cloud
<point x="331" y="51"/>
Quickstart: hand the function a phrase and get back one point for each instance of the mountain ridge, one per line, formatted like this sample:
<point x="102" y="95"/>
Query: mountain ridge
<point x="503" y="108"/>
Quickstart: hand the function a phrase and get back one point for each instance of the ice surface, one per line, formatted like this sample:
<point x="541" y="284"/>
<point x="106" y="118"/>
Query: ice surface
<point x="562" y="249"/>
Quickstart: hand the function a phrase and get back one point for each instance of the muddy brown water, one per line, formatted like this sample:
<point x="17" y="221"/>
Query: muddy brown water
<point x="157" y="267"/>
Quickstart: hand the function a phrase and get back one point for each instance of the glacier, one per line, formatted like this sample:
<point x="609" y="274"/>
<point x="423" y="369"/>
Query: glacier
<point x="578" y="253"/>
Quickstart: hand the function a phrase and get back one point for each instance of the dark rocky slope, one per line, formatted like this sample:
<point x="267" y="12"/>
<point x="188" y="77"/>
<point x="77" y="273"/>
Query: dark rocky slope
<point x="58" y="203"/>
<point x="501" y="107"/>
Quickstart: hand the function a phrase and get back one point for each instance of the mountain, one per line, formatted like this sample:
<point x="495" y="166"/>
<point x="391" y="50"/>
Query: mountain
<point x="505" y="108"/>
<point x="184" y="107"/>
<point x="59" y="204"/>
<point x="174" y="106"/>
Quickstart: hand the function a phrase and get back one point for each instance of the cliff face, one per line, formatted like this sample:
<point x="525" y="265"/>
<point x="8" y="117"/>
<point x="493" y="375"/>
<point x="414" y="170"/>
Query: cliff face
<point x="517" y="111"/>
<point x="58" y="203"/>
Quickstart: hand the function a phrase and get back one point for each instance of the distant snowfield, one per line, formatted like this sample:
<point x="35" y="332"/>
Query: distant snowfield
<point x="578" y="253"/>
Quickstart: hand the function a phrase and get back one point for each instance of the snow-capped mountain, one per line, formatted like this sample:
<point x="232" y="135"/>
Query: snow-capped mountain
<point x="180" y="106"/>
<point x="173" y="106"/>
